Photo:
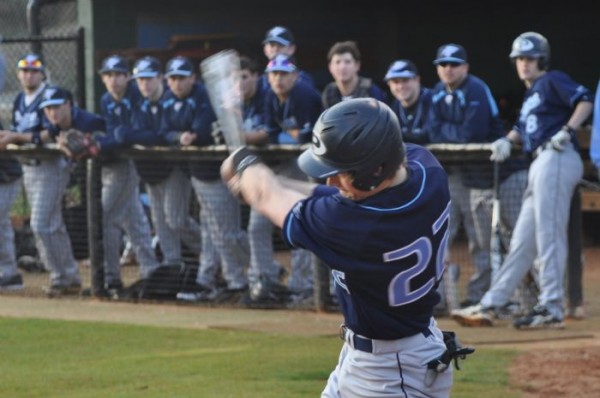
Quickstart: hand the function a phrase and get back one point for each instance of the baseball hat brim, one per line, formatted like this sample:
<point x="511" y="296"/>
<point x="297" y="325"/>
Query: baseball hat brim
<point x="184" y="73"/>
<point x="449" y="59"/>
<point x="314" y="167"/>
<point x="52" y="102"/>
<point x="145" y="74"/>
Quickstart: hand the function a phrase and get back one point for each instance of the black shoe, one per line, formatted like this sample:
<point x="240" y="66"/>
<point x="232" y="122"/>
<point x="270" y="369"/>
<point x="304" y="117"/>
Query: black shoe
<point x="114" y="290"/>
<point x="231" y="295"/>
<point x="539" y="318"/>
<point x="197" y="293"/>
<point x="14" y="282"/>
<point x="73" y="289"/>
<point x="467" y="303"/>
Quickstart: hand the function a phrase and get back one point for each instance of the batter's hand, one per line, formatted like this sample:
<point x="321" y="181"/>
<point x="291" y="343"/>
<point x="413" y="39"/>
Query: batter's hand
<point x="500" y="149"/>
<point x="559" y="139"/>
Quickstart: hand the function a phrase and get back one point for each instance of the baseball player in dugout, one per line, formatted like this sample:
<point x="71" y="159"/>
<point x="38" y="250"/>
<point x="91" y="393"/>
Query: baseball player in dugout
<point x="344" y="64"/>
<point x="121" y="206"/>
<point x="280" y="40"/>
<point x="10" y="186"/>
<point x="411" y="101"/>
<point x="188" y="119"/>
<point x="554" y="107"/>
<point x="463" y="110"/>
<point x="45" y="179"/>
<point x="291" y="109"/>
<point x="167" y="184"/>
<point x="374" y="213"/>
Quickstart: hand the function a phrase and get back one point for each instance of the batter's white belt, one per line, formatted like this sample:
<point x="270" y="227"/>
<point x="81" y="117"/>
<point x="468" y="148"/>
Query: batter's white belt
<point x="374" y="346"/>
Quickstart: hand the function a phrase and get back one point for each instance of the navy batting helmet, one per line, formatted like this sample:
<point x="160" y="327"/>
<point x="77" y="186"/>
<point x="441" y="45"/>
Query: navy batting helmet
<point x="533" y="45"/>
<point x="360" y="136"/>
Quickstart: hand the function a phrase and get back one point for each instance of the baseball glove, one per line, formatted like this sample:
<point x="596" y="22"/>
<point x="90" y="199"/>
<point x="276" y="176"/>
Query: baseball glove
<point x="77" y="145"/>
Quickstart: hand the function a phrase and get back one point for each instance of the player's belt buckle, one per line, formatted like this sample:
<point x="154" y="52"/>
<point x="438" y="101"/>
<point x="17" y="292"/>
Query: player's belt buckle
<point x="357" y="342"/>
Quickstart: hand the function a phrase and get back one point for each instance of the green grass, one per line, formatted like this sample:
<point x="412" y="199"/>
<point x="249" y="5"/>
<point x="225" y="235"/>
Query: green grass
<point x="42" y="358"/>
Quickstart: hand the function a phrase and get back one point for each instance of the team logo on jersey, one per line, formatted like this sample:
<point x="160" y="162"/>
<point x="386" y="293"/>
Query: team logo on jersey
<point x="177" y="106"/>
<point x="118" y="111"/>
<point x="448" y="99"/>
<point x="528" y="105"/>
<point x="448" y="51"/>
<point x="318" y="146"/>
<point x="524" y="44"/>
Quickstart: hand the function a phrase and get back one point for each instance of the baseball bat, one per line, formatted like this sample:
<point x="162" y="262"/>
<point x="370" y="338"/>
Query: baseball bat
<point x="221" y="76"/>
<point x="497" y="249"/>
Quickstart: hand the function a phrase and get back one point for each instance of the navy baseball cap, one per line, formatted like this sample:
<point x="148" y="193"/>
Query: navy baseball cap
<point x="454" y="53"/>
<point x="281" y="63"/>
<point x="55" y="95"/>
<point x="114" y="63"/>
<point x="280" y="35"/>
<point x="31" y="62"/>
<point x="147" y="67"/>
<point x="179" y="66"/>
<point x="403" y="68"/>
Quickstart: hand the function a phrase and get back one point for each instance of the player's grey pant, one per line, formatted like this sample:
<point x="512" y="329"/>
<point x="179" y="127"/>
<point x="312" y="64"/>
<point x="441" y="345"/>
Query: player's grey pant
<point x="396" y="368"/>
<point x="122" y="210"/>
<point x="541" y="230"/>
<point x="8" y="263"/>
<point x="221" y="225"/>
<point x="260" y="238"/>
<point x="45" y="185"/>
<point x="169" y="208"/>
<point x="472" y="207"/>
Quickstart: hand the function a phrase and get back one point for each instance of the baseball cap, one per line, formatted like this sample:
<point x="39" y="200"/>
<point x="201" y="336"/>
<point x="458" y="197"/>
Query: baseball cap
<point x="114" y="63"/>
<point x="54" y="95"/>
<point x="179" y="66"/>
<point x="451" y="53"/>
<point x="281" y="63"/>
<point x="402" y="68"/>
<point x="279" y="34"/>
<point x="31" y="62"/>
<point x="146" y="67"/>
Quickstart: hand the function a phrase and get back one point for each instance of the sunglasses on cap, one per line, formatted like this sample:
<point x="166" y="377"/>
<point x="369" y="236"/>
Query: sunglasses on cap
<point x="29" y="64"/>
<point x="450" y="64"/>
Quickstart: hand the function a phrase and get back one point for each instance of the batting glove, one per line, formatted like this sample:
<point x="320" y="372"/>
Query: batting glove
<point x="559" y="139"/>
<point x="501" y="149"/>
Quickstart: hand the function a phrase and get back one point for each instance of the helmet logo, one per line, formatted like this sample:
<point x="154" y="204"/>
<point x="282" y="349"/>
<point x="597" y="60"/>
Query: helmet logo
<point x="318" y="147"/>
<point x="525" y="45"/>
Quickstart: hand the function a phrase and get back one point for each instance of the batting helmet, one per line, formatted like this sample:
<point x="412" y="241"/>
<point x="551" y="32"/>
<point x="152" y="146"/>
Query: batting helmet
<point x="360" y="136"/>
<point x="533" y="45"/>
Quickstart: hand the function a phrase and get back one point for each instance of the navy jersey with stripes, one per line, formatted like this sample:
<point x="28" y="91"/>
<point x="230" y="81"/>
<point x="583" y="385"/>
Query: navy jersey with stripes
<point x="386" y="252"/>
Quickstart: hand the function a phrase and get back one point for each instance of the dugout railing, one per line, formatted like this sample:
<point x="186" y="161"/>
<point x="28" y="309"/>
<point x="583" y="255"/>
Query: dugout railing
<point x="85" y="224"/>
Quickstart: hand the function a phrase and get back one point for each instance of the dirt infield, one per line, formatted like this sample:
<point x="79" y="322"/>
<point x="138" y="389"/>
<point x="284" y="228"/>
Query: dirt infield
<point x="554" y="363"/>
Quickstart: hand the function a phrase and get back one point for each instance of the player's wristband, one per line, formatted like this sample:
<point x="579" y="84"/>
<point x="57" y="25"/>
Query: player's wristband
<point x="242" y="158"/>
<point x="36" y="138"/>
<point x="569" y="129"/>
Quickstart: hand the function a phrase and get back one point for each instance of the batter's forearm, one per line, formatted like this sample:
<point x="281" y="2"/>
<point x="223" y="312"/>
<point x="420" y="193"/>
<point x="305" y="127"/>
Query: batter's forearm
<point x="263" y="191"/>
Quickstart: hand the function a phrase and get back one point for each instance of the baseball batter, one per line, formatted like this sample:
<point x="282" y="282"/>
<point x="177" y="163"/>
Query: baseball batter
<point x="381" y="224"/>
<point x="554" y="106"/>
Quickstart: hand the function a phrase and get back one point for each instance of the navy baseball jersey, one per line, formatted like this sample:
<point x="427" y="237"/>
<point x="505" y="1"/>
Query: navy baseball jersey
<point x="81" y="120"/>
<point x="386" y="252"/>
<point x="117" y="113"/>
<point x="145" y="130"/>
<point x="27" y="117"/>
<point x="467" y="114"/>
<point x="299" y="111"/>
<point x="414" y="119"/>
<point x="547" y="106"/>
<point x="196" y="115"/>
<point x="253" y="111"/>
